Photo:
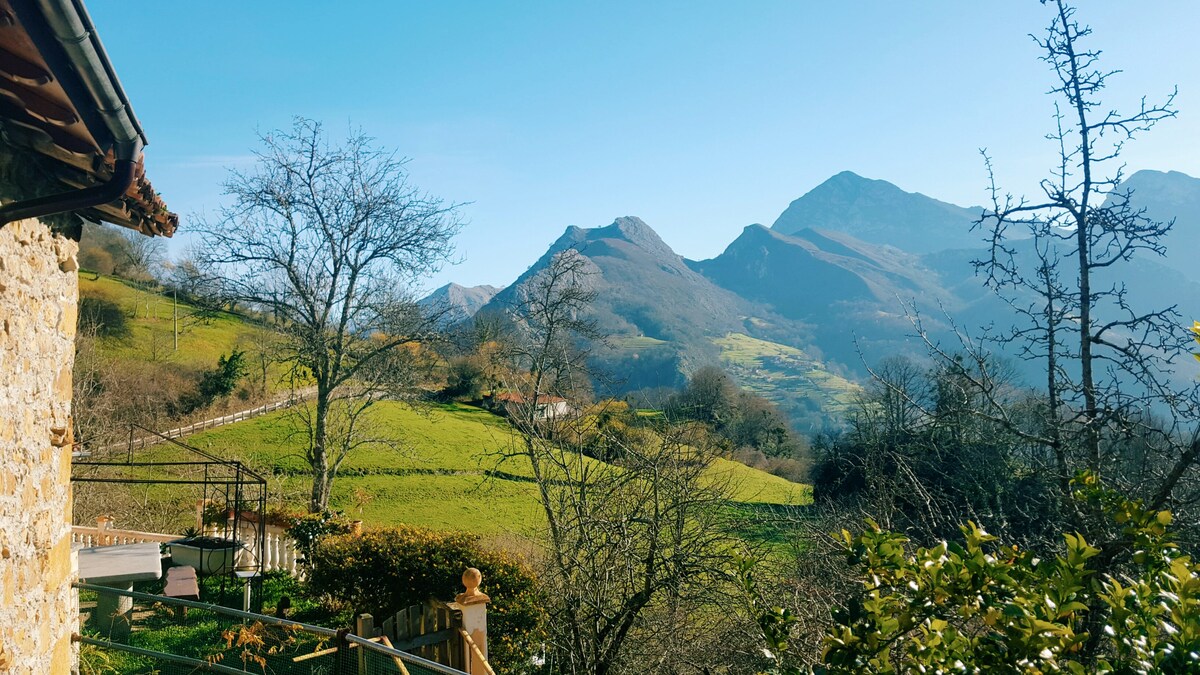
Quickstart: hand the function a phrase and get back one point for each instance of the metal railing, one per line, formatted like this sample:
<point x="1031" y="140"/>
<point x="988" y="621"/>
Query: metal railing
<point x="168" y="635"/>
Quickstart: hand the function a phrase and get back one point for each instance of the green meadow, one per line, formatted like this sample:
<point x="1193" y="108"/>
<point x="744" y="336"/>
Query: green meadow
<point x="779" y="372"/>
<point x="447" y="466"/>
<point x="453" y="467"/>
<point x="149" y="318"/>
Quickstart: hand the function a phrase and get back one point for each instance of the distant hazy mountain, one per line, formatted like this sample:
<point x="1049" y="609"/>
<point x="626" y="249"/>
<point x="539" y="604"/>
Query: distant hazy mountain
<point x="808" y="272"/>
<point x="848" y="293"/>
<point x="666" y="319"/>
<point x="881" y="213"/>
<point x="459" y="303"/>
<point x="1150" y="286"/>
<point x="1166" y="196"/>
<point x="794" y="311"/>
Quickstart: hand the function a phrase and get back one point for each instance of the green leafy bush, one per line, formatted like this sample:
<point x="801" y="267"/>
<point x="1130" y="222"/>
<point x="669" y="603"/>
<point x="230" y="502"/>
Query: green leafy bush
<point x="978" y="606"/>
<point x="218" y="382"/>
<point x="384" y="571"/>
<point x="464" y="380"/>
<point x="308" y="530"/>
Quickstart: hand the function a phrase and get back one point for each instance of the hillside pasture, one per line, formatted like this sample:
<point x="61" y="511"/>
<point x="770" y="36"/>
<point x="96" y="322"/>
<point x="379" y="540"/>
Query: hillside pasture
<point x="788" y="376"/>
<point x="454" y="467"/>
<point x="149" y="318"/>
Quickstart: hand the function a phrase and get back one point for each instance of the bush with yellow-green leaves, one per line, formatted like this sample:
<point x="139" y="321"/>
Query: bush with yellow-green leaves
<point x="383" y="571"/>
<point x="979" y="606"/>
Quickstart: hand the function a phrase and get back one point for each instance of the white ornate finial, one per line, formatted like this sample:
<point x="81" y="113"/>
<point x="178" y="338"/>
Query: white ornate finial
<point x="471" y="579"/>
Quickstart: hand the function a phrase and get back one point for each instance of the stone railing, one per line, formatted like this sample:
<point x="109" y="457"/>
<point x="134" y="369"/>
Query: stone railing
<point x="104" y="534"/>
<point x="279" y="551"/>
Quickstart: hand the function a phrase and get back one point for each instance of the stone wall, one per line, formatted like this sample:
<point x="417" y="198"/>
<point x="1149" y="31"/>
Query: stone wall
<point x="38" y="305"/>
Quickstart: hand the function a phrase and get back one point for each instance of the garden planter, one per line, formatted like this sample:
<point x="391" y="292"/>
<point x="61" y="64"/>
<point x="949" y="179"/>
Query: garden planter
<point x="208" y="555"/>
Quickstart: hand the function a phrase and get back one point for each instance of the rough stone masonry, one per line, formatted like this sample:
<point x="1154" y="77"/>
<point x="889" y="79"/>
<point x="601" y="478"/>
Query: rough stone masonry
<point x="38" y="305"/>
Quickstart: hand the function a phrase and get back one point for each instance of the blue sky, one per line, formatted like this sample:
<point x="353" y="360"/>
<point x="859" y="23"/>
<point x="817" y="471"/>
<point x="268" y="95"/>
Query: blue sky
<point x="699" y="117"/>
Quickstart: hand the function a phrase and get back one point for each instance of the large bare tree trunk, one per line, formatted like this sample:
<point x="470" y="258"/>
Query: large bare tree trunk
<point x="319" y="459"/>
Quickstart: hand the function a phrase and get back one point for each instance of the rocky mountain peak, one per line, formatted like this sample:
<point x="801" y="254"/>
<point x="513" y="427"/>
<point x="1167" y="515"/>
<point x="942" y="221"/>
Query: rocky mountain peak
<point x="879" y="212"/>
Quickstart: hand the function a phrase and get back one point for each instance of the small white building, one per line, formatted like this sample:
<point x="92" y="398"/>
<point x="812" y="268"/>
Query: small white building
<point x="547" y="408"/>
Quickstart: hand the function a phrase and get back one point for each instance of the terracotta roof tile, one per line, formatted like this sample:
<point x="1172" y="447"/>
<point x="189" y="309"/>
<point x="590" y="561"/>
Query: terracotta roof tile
<point x="37" y="114"/>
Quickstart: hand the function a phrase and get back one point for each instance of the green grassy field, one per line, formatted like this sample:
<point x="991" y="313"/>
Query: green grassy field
<point x="149" y="318"/>
<point x="779" y="372"/>
<point x="452" y="466"/>
<point x="452" y="470"/>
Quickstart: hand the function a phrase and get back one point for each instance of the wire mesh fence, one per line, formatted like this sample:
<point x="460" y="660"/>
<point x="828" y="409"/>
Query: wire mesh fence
<point x="132" y="632"/>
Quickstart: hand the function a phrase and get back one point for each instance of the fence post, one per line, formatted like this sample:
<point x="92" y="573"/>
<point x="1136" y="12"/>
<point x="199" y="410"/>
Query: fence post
<point x="364" y="626"/>
<point x="341" y="660"/>
<point x="200" y="515"/>
<point x="474" y="619"/>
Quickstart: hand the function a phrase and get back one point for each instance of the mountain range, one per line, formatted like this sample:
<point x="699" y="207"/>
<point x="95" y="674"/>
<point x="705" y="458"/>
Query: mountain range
<point x="797" y="310"/>
<point x="455" y="303"/>
<point x="879" y="212"/>
<point x="1171" y="196"/>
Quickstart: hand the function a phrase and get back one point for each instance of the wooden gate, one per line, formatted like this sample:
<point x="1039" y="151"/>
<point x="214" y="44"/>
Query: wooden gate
<point x="429" y="631"/>
<point x="432" y="631"/>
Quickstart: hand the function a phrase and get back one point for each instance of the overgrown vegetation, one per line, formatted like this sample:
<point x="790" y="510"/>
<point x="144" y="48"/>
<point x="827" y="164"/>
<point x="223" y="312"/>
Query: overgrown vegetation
<point x="975" y="603"/>
<point x="384" y="571"/>
<point x="751" y="428"/>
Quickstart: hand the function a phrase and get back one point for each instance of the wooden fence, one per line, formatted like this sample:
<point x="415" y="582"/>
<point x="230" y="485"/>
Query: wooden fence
<point x="433" y="631"/>
<point x="143" y="442"/>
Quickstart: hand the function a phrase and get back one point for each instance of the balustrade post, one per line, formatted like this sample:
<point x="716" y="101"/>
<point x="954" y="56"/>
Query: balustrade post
<point x="473" y="604"/>
<point x="103" y="525"/>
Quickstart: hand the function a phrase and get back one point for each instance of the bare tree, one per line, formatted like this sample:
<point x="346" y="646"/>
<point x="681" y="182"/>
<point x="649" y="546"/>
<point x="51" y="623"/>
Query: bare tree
<point x="138" y="256"/>
<point x="551" y="311"/>
<point x="638" y="536"/>
<point x="1055" y="260"/>
<point x="626" y="540"/>
<point x="192" y="282"/>
<point x="262" y="350"/>
<point x="1111" y="400"/>
<point x="326" y="239"/>
<point x="93" y="410"/>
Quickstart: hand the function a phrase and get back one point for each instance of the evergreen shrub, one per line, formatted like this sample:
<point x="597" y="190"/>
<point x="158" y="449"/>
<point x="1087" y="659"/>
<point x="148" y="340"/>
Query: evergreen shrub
<point x="386" y="570"/>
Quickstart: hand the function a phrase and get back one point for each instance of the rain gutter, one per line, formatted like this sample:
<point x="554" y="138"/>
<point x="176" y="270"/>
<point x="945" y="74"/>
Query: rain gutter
<point x="72" y="28"/>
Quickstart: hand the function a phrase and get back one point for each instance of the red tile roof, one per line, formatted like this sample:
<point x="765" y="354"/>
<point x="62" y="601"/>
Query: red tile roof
<point x="37" y="114"/>
<point x="518" y="398"/>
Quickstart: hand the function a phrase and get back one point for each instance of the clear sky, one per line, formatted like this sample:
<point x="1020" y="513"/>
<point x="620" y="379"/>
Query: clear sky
<point x="698" y="117"/>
